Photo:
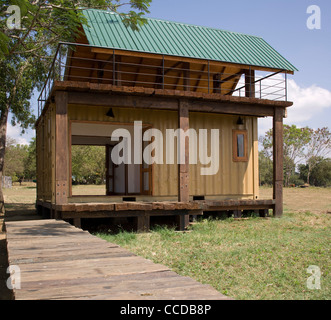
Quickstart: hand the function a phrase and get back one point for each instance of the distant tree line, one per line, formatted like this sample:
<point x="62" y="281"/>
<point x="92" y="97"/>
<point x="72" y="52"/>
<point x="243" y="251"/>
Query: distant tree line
<point x="307" y="155"/>
<point x="88" y="162"/>
<point x="20" y="160"/>
<point x="307" y="159"/>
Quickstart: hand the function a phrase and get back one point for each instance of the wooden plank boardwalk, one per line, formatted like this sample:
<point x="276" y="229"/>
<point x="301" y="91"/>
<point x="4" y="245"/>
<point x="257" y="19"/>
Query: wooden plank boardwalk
<point x="59" y="261"/>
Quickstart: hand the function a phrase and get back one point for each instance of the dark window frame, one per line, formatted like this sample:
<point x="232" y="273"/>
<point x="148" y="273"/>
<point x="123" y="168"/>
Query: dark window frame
<point x="236" y="157"/>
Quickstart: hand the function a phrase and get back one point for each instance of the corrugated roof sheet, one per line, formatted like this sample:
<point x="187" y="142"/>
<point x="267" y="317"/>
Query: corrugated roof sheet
<point x="106" y="29"/>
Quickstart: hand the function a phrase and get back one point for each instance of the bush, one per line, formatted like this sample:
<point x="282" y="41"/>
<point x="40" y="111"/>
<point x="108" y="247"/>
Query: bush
<point x="296" y="180"/>
<point x="320" y="176"/>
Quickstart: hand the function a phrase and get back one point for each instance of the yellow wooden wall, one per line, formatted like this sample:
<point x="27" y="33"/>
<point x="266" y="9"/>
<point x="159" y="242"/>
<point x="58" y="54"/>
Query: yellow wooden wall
<point x="233" y="180"/>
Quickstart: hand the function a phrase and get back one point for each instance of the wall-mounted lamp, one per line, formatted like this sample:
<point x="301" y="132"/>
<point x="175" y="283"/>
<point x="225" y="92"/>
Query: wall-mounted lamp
<point x="110" y="113"/>
<point x="240" y="121"/>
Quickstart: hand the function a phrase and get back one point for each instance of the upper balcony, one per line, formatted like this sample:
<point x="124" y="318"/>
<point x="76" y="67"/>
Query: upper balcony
<point x="168" y="58"/>
<point x="80" y="65"/>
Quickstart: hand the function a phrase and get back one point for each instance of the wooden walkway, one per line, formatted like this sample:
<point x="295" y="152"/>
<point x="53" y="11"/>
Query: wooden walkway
<point x="59" y="261"/>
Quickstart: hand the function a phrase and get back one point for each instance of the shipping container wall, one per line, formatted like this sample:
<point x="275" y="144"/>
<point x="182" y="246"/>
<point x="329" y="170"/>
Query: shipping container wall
<point x="232" y="179"/>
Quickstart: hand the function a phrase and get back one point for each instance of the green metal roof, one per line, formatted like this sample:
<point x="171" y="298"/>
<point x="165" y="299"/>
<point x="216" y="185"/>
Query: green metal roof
<point x="106" y="29"/>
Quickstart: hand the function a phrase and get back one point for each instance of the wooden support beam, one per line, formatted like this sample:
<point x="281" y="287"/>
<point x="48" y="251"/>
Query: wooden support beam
<point x="233" y="76"/>
<point x="138" y="71"/>
<point x="217" y="83"/>
<point x="250" y="83"/>
<point x="143" y="223"/>
<point x="278" y="153"/>
<point x="183" y="168"/>
<point x="159" y="77"/>
<point x="172" y="67"/>
<point x="237" y="214"/>
<point x="77" y="223"/>
<point x="263" y="213"/>
<point x="203" y="69"/>
<point x="178" y="77"/>
<point x="258" y="108"/>
<point x="175" y="58"/>
<point x="183" y="222"/>
<point x="61" y="148"/>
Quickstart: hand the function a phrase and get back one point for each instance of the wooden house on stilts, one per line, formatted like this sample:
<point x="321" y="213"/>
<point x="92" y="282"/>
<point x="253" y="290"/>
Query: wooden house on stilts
<point x="185" y="100"/>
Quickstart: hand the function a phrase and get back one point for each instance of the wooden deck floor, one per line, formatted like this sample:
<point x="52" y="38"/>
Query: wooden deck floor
<point x="59" y="261"/>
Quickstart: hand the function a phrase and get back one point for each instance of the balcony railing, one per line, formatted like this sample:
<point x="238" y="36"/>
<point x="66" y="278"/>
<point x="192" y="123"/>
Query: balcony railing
<point x="160" y="73"/>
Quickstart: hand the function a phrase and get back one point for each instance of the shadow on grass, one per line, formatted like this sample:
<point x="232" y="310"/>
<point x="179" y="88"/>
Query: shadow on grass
<point x="20" y="211"/>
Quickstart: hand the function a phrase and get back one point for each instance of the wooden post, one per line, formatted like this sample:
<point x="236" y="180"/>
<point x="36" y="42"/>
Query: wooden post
<point x="237" y="214"/>
<point x="278" y="175"/>
<point x="61" y="149"/>
<point x="143" y="223"/>
<point x="77" y="223"/>
<point x="183" y="221"/>
<point x="217" y="84"/>
<point x="183" y="168"/>
<point x="250" y="83"/>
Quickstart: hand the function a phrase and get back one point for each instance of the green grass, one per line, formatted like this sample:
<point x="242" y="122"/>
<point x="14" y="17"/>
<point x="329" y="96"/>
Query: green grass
<point x="244" y="259"/>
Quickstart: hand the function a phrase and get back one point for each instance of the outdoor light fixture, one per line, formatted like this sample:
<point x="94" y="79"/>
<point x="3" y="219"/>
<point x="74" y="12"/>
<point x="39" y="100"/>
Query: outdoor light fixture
<point x="240" y="121"/>
<point x="110" y="113"/>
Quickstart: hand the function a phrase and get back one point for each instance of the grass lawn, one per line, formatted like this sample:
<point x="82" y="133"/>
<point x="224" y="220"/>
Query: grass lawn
<point x="256" y="258"/>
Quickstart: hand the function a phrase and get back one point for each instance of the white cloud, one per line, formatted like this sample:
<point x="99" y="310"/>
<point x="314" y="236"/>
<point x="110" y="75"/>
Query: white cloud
<point x="308" y="105"/>
<point x="307" y="102"/>
<point x="15" y="133"/>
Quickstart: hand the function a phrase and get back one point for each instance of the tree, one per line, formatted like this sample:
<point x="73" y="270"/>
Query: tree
<point x="319" y="145"/>
<point x="15" y="157"/>
<point x="88" y="164"/>
<point x="265" y="169"/>
<point x="27" y="50"/>
<point x="295" y="140"/>
<point x="30" y="170"/>
<point x="320" y="175"/>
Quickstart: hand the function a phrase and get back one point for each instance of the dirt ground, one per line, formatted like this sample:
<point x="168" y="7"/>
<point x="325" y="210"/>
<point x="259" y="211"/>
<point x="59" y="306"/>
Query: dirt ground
<point x="20" y="206"/>
<point x="310" y="199"/>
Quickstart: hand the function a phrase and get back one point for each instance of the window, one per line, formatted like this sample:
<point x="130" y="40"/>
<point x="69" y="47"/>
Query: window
<point x="239" y="145"/>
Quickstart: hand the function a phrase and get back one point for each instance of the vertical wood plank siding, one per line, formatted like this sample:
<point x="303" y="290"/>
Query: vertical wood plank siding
<point x="233" y="180"/>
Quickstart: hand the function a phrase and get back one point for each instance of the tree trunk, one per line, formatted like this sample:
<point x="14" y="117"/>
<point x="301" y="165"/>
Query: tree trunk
<point x="3" y="135"/>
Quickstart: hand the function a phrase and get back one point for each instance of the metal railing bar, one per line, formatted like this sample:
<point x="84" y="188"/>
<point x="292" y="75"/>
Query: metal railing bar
<point x="198" y="72"/>
<point x="141" y="73"/>
<point x="60" y="70"/>
<point x="271" y="94"/>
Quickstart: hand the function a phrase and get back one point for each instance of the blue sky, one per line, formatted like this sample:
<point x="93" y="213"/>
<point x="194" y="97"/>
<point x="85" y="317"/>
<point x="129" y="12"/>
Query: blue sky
<point x="282" y="23"/>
